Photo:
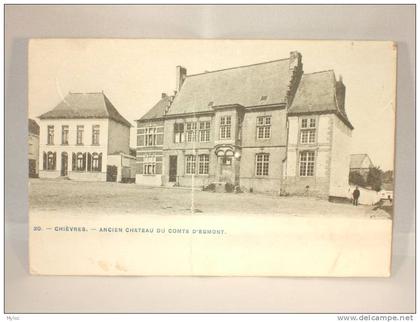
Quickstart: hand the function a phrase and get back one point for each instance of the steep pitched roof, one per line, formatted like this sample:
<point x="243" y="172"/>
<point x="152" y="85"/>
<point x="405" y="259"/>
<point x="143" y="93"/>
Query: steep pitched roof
<point x="244" y="85"/>
<point x="356" y="161"/>
<point x="158" y="110"/>
<point x="85" y="105"/>
<point x="33" y="127"/>
<point x="317" y="93"/>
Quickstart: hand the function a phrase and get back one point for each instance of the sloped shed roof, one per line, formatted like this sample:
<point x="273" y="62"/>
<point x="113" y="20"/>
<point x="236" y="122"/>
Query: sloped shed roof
<point x="317" y="93"/>
<point x="85" y="105"/>
<point x="244" y="85"/>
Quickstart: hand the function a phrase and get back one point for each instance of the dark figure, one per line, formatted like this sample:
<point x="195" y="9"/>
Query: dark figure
<point x="356" y="195"/>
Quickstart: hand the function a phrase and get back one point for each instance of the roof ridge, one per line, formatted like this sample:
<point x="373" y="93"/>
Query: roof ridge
<point x="320" y="71"/>
<point x="236" y="67"/>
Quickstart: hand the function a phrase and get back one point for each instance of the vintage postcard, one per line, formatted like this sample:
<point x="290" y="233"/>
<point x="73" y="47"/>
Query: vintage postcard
<point x="211" y="157"/>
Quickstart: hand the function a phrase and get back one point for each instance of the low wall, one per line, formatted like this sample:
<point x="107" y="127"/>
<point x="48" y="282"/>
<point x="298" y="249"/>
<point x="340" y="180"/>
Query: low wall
<point x="87" y="176"/>
<point x="367" y="196"/>
<point x="149" y="180"/>
<point x="51" y="174"/>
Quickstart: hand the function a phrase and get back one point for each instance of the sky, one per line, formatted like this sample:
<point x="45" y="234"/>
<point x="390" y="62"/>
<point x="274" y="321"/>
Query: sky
<point x="133" y="73"/>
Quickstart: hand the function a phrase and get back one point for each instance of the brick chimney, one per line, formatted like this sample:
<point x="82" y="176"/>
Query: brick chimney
<point x="340" y="93"/>
<point x="295" y="60"/>
<point x="181" y="74"/>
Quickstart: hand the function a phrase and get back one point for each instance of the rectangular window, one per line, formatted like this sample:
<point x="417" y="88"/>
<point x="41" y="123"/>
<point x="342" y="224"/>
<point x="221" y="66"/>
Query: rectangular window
<point x="307" y="130"/>
<point x="65" y="134"/>
<point x="191" y="131"/>
<point x="150" y="136"/>
<point x="225" y="127"/>
<point x="149" y="164"/>
<point x="179" y="132"/>
<point x="203" y="164"/>
<point x="95" y="135"/>
<point x="307" y="163"/>
<point x="50" y="139"/>
<point x="204" y="132"/>
<point x="80" y="130"/>
<point x="263" y="127"/>
<point x="262" y="163"/>
<point x="190" y="164"/>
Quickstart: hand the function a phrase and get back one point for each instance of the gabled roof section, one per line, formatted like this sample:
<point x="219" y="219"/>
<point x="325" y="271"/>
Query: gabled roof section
<point x="357" y="160"/>
<point x="316" y="93"/>
<point x="85" y="105"/>
<point x="33" y="127"/>
<point x="158" y="110"/>
<point x="252" y="85"/>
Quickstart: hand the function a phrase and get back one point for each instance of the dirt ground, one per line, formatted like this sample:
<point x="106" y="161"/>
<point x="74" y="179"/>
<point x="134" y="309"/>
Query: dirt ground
<point x="108" y="198"/>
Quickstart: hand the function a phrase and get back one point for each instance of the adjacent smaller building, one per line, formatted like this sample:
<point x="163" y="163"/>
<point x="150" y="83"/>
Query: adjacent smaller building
<point x="360" y="163"/>
<point x="79" y="136"/>
<point x="33" y="148"/>
<point x="150" y="130"/>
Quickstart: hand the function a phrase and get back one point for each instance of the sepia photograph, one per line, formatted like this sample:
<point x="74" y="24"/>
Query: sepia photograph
<point x="237" y="157"/>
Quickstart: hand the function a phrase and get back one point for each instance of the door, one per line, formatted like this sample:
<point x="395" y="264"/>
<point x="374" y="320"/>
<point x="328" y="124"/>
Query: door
<point x="64" y="164"/>
<point x="226" y="172"/>
<point x="173" y="160"/>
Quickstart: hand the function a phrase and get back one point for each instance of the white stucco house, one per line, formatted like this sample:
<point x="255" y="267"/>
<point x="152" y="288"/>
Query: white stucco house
<point x="78" y="136"/>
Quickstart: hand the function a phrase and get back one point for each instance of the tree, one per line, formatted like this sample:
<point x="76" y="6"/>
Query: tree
<point x="357" y="179"/>
<point x="374" y="178"/>
<point x="388" y="176"/>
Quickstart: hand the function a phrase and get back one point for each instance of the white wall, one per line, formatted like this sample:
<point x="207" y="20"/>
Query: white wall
<point x="72" y="140"/>
<point x="118" y="138"/>
<point x="340" y="158"/>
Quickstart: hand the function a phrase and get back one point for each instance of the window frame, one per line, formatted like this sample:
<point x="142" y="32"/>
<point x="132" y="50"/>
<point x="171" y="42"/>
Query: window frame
<point x="149" y="164"/>
<point x="190" y="165"/>
<point x="306" y="163"/>
<point x="95" y="134"/>
<point x="262" y="167"/>
<point x="50" y="134"/>
<point x="203" y="165"/>
<point x="225" y="131"/>
<point x="308" y="130"/>
<point x="65" y="134"/>
<point x="263" y="127"/>
<point x="204" y="131"/>
<point x="80" y="129"/>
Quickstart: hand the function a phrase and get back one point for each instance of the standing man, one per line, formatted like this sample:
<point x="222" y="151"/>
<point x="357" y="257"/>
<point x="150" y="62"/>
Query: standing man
<point x="356" y="195"/>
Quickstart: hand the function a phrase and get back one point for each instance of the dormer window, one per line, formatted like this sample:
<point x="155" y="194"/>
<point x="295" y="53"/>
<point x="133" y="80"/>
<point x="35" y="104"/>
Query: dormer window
<point x="263" y="98"/>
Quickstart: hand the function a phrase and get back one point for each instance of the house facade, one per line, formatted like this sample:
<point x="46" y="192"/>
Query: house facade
<point x="360" y="163"/>
<point x="78" y="136"/>
<point x="33" y="148"/>
<point x="264" y="127"/>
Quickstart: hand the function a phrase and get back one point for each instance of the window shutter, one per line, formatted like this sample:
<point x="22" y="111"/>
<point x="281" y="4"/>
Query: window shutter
<point x="73" y="162"/>
<point x="159" y="140"/>
<point x="100" y="162"/>
<point x="44" y="164"/>
<point x="89" y="162"/>
<point x="54" y="160"/>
